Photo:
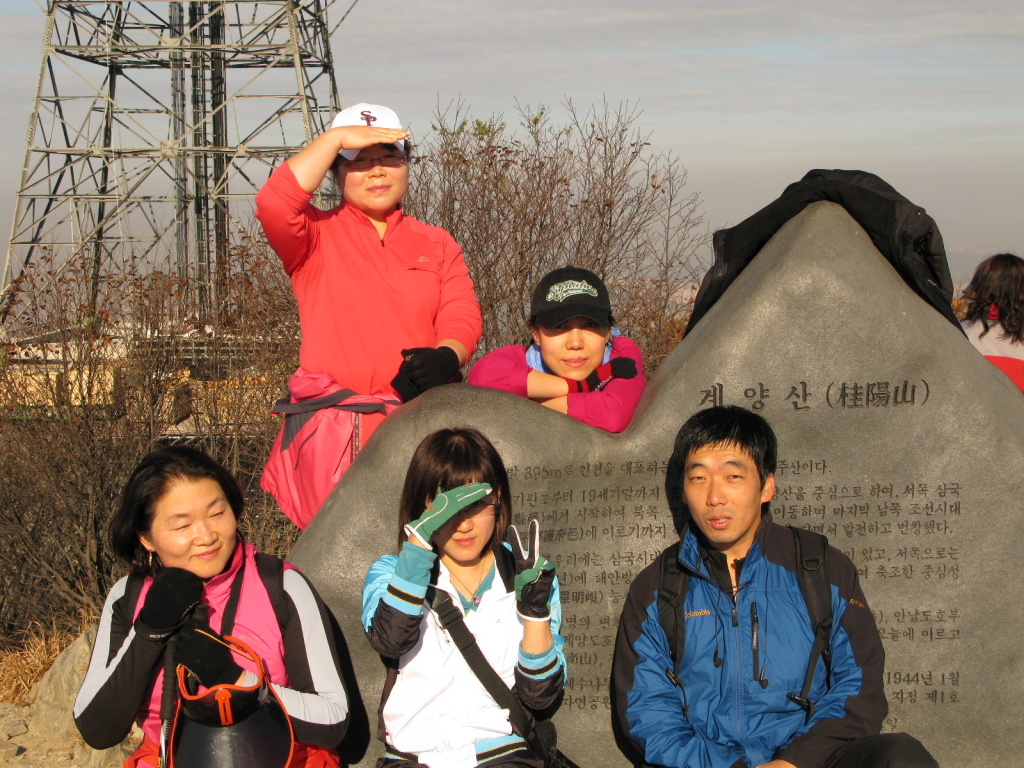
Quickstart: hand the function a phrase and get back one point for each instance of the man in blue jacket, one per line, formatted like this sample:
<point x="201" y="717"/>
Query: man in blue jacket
<point x="734" y="699"/>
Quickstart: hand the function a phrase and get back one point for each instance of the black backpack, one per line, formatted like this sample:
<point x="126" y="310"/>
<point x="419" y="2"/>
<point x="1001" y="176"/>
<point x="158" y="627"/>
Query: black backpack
<point x="812" y="573"/>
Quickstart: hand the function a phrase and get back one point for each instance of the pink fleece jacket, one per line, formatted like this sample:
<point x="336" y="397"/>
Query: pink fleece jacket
<point x="609" y="409"/>
<point x="255" y="624"/>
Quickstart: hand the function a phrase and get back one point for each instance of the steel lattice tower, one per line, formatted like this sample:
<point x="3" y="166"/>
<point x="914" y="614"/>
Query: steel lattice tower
<point x="155" y="123"/>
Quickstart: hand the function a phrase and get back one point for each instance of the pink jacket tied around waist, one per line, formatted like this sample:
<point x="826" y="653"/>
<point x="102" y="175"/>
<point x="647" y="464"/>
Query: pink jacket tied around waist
<point x="318" y="441"/>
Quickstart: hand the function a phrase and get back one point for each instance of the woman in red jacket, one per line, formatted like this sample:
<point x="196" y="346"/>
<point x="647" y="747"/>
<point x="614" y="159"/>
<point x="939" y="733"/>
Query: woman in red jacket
<point x="994" y="320"/>
<point x="386" y="305"/>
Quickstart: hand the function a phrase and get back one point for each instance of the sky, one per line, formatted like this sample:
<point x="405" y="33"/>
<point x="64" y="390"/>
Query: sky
<point x="749" y="95"/>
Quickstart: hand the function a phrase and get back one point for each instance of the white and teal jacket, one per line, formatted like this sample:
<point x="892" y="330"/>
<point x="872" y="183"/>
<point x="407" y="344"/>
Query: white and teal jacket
<point x="433" y="706"/>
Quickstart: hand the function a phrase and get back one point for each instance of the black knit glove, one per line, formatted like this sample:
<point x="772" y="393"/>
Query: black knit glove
<point x="205" y="654"/>
<point x="535" y="575"/>
<point x="404" y="387"/>
<point x="619" y="368"/>
<point x="425" y="368"/>
<point x="171" y="597"/>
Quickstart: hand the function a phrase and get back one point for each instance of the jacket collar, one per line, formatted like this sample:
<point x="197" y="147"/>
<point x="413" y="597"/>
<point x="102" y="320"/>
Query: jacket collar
<point x="355" y="215"/>
<point x="504" y="584"/>
<point x="506" y="567"/>
<point x="219" y="586"/>
<point x="694" y="548"/>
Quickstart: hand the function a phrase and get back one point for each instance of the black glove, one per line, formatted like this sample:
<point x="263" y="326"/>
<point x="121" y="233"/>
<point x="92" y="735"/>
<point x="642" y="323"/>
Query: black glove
<point x="535" y="575"/>
<point x="171" y="597"/>
<point x="619" y="368"/>
<point x="205" y="654"/>
<point x="427" y="367"/>
<point x="404" y="387"/>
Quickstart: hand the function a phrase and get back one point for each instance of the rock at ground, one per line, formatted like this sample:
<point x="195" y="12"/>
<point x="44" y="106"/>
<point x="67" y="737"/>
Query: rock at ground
<point x="14" y="728"/>
<point x="9" y="750"/>
<point x="54" y="695"/>
<point x="46" y="731"/>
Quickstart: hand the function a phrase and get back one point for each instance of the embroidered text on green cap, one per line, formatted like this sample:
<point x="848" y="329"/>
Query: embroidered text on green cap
<point x="563" y="290"/>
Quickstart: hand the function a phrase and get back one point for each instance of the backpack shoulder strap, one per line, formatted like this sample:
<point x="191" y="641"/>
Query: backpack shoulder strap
<point x="124" y="608"/>
<point x="672" y="585"/>
<point x="271" y="571"/>
<point x="132" y="590"/>
<point x="812" y="573"/>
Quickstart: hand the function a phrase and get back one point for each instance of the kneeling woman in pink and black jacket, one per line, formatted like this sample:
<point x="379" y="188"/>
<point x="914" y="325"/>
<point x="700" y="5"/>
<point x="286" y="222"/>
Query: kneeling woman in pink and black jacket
<point x="578" y="364"/>
<point x="192" y="582"/>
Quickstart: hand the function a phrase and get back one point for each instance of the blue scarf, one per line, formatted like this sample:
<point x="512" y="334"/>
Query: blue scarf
<point x="536" y="362"/>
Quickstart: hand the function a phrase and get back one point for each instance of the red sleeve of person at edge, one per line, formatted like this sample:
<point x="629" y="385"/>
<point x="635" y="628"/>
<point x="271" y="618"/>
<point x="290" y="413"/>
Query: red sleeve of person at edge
<point x="609" y="409"/>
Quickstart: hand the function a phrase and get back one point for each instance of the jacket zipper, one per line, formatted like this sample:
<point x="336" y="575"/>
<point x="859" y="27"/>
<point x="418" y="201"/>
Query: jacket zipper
<point x="754" y="640"/>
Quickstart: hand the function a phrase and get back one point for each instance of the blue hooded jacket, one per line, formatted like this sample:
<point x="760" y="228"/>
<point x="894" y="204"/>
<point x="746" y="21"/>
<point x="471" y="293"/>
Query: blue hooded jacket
<point x="742" y="658"/>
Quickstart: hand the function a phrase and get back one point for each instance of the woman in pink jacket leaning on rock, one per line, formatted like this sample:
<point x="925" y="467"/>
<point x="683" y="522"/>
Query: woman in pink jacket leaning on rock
<point x="578" y="363"/>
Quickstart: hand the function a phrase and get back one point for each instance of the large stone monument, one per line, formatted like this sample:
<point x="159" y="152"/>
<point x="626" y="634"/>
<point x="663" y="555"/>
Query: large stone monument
<point x="898" y="441"/>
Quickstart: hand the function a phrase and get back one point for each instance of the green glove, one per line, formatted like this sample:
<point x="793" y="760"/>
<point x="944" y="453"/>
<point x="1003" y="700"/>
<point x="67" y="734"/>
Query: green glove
<point x="446" y="505"/>
<point x="535" y="575"/>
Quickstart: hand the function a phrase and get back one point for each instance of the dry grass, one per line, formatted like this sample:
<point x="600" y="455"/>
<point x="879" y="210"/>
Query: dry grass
<point x="23" y="663"/>
<point x="960" y="307"/>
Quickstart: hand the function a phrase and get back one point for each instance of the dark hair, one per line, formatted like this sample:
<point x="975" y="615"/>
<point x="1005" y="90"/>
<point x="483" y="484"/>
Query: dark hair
<point x="447" y="459"/>
<point x="998" y="281"/>
<point x="725" y="425"/>
<point x="147" y="484"/>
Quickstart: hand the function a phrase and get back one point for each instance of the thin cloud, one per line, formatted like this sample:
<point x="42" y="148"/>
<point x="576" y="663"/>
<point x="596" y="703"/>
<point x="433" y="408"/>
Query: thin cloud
<point x="748" y="94"/>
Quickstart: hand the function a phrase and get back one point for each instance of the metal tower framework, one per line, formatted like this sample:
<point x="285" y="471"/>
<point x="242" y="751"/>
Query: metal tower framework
<point x="154" y="125"/>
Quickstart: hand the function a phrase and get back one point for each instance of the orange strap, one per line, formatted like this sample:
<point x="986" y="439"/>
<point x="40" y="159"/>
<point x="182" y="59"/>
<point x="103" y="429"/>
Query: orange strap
<point x="223" y="698"/>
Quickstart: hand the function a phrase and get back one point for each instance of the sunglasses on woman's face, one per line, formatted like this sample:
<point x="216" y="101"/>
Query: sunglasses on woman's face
<point x="485" y="507"/>
<point x="366" y="163"/>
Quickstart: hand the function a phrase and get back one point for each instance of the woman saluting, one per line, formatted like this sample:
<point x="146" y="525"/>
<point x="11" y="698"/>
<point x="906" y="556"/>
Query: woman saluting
<point x="386" y="304"/>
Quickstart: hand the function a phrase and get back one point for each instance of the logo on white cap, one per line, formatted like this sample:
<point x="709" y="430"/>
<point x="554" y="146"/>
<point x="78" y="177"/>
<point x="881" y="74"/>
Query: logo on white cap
<point x="369" y="115"/>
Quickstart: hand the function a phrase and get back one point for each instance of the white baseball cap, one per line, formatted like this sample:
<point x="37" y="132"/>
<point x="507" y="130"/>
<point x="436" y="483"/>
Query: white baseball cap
<point x="367" y="114"/>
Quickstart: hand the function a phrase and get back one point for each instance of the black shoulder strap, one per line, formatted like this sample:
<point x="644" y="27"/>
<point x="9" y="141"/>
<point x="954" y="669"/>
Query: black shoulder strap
<point x="131" y="592"/>
<point x="671" y="598"/>
<point x="128" y="601"/>
<point x="452" y="620"/>
<point x="672" y="585"/>
<point x="271" y="571"/>
<point x="812" y="573"/>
